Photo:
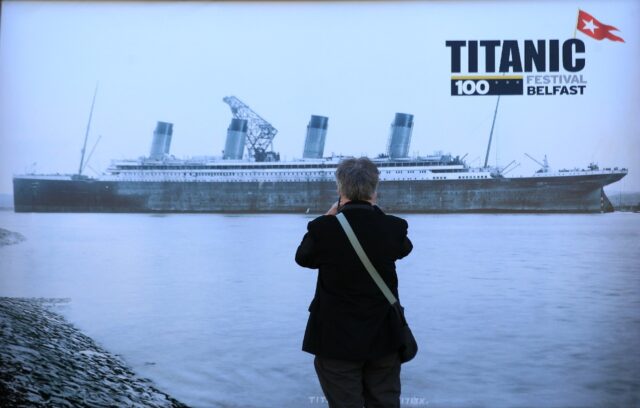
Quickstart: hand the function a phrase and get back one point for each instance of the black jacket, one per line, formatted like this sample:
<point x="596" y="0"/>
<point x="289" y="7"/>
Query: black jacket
<point x="350" y="319"/>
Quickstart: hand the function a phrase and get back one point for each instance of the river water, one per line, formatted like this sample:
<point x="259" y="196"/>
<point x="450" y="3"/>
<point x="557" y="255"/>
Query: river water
<point x="509" y="310"/>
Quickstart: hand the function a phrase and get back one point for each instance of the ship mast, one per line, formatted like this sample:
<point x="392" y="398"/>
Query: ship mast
<point x="86" y="135"/>
<point x="486" y="158"/>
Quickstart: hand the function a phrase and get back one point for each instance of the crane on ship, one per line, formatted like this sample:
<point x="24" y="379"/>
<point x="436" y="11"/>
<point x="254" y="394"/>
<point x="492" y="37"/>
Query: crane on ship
<point x="544" y="165"/>
<point x="260" y="133"/>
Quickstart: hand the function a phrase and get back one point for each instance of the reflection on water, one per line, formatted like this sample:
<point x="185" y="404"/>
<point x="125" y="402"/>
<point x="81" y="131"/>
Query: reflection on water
<point x="509" y="310"/>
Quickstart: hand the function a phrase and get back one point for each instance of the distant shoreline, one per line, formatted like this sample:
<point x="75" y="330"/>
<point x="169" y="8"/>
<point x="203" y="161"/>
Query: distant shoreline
<point x="10" y="238"/>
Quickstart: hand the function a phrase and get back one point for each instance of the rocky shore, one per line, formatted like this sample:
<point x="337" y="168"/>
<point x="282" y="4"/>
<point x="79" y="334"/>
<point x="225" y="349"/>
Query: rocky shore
<point x="45" y="361"/>
<point x="9" y="237"/>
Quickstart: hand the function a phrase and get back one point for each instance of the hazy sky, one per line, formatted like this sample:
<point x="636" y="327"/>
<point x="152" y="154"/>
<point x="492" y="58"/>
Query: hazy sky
<point x="357" y="63"/>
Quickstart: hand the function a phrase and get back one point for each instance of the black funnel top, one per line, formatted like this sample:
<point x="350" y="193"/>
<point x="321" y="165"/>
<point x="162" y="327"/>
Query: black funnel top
<point x="319" y="122"/>
<point x="238" y="124"/>
<point x="164" y="128"/>
<point x="403" y="119"/>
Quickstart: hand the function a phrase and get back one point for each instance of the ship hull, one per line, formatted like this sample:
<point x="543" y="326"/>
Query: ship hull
<point x="569" y="194"/>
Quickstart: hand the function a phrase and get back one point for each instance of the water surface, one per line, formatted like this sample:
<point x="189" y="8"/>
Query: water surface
<point x="509" y="310"/>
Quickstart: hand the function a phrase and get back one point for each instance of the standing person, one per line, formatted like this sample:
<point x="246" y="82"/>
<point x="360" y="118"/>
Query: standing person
<point x="352" y="328"/>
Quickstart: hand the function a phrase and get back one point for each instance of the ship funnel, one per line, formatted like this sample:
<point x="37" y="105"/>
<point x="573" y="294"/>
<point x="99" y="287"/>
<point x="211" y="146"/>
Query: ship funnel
<point x="400" y="137"/>
<point x="316" y="134"/>
<point x="236" y="137"/>
<point x="161" y="140"/>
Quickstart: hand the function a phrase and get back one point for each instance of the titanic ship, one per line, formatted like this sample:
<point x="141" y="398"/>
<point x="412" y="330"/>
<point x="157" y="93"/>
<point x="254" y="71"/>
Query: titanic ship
<point x="250" y="177"/>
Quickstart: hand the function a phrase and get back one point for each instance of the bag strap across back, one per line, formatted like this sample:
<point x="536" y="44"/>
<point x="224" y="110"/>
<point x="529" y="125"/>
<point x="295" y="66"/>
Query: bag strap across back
<point x="365" y="259"/>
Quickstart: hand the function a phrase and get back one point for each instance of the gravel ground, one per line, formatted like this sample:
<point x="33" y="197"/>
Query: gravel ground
<point x="45" y="361"/>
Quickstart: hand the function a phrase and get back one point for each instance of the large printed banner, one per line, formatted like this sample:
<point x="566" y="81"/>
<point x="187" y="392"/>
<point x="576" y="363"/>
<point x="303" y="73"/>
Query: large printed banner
<point x="568" y="72"/>
<point x="186" y="146"/>
<point x="544" y="67"/>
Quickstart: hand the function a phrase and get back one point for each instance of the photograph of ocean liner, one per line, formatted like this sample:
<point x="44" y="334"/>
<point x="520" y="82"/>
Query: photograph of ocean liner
<point x="250" y="177"/>
<point x="145" y="235"/>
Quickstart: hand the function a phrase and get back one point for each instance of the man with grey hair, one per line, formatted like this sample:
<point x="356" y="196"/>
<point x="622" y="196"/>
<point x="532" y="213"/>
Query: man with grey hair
<point x="352" y="330"/>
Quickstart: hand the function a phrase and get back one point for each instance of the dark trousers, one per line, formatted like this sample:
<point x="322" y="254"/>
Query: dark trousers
<point x="354" y="384"/>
